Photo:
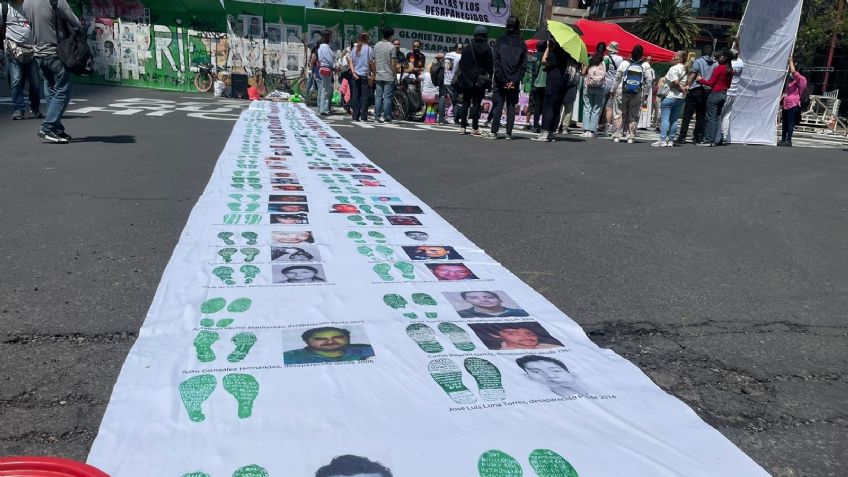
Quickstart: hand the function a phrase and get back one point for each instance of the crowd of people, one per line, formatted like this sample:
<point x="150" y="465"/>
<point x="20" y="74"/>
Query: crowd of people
<point x="694" y="95"/>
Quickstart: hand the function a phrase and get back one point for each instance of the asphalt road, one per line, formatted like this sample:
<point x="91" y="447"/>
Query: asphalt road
<point x="722" y="273"/>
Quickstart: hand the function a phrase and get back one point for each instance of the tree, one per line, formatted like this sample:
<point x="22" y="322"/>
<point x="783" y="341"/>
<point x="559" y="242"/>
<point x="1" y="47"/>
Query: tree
<point x="527" y="12"/>
<point x="668" y="23"/>
<point x="819" y="22"/>
<point x="378" y="6"/>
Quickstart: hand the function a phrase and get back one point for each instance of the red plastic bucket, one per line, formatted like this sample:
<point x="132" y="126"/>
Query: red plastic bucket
<point x="46" y="467"/>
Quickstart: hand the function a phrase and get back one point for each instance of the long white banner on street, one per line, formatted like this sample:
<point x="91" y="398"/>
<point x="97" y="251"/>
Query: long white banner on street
<point x="317" y="319"/>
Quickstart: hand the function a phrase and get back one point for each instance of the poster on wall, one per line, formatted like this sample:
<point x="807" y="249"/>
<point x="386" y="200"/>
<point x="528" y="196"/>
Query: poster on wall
<point x="493" y="12"/>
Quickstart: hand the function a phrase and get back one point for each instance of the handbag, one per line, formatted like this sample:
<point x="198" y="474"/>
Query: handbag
<point x="663" y="89"/>
<point x="325" y="71"/>
<point x="20" y="53"/>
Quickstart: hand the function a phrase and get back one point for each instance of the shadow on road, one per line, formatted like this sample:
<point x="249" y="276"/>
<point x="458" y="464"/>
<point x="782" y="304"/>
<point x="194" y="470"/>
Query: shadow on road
<point x="119" y="139"/>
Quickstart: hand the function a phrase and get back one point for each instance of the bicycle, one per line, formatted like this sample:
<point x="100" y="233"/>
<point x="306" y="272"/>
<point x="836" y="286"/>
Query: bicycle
<point x="407" y="102"/>
<point x="205" y="75"/>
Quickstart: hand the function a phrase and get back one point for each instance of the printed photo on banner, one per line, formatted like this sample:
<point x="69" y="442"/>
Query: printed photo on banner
<point x="381" y="199"/>
<point x="286" y="198"/>
<point x="514" y="336"/>
<point x="450" y="272"/>
<point x="287" y="187"/>
<point x="353" y="465"/>
<point x="293" y="38"/>
<point x="406" y="209"/>
<point x="551" y="373"/>
<point x="288" y="274"/>
<point x="326" y="344"/>
<point x="285" y="181"/>
<point x="484" y="304"/>
<point x="274" y="33"/>
<point x="291" y="237"/>
<point x="432" y="252"/>
<point x="403" y="220"/>
<point x="344" y="209"/>
<point x="304" y="253"/>
<point x="417" y="235"/>
<point x="289" y="219"/>
<point x="288" y="208"/>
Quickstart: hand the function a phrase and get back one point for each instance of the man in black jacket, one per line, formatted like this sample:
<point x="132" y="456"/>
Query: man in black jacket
<point x="510" y="63"/>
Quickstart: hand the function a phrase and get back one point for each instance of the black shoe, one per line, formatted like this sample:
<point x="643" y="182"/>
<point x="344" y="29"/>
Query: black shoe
<point x="52" y="137"/>
<point x="36" y="113"/>
<point x="679" y="142"/>
<point x="17" y="115"/>
<point x="782" y="144"/>
<point x="65" y="136"/>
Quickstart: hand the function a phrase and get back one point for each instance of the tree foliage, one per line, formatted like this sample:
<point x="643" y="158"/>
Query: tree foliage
<point x="377" y="6"/>
<point x="819" y="22"/>
<point x="527" y="12"/>
<point x="668" y="23"/>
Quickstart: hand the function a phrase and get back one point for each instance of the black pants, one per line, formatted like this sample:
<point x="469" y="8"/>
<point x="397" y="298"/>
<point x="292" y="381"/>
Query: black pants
<point x="790" y="119"/>
<point x="360" y="93"/>
<point x="509" y="98"/>
<point x="696" y="103"/>
<point x="555" y="89"/>
<point x="537" y="99"/>
<point x="471" y="99"/>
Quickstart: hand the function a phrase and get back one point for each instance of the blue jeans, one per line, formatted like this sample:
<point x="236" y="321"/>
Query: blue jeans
<point x="383" y="99"/>
<point x="325" y="94"/>
<point x="20" y="73"/>
<point x="790" y="119"/>
<point x="58" y="92"/>
<point x="450" y="92"/>
<point x="670" y="109"/>
<point x="592" y="108"/>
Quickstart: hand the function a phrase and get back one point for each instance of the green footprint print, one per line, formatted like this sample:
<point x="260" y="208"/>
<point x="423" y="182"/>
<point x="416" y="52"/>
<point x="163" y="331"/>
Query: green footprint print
<point x="424" y="337"/>
<point x="377" y="236"/>
<point x="406" y="269"/>
<point x="227" y="254"/>
<point x="547" y="463"/>
<point x="244" y="388"/>
<point x="358" y="200"/>
<point x="249" y="253"/>
<point x="203" y="345"/>
<point x="495" y="463"/>
<point x="375" y="219"/>
<point x="343" y="199"/>
<point x="234" y="206"/>
<point x="357" y="219"/>
<point x="226" y="237"/>
<point x="243" y="342"/>
<point x="384" y="209"/>
<point x="194" y="391"/>
<point x="355" y="236"/>
<point x="424" y="299"/>
<point x="250" y="272"/>
<point x="366" y="251"/>
<point x="488" y="378"/>
<point x="383" y="270"/>
<point x="457" y="336"/>
<point x="196" y="474"/>
<point x="239" y="305"/>
<point x="449" y="377"/>
<point x="250" y="471"/>
<point x="214" y="305"/>
<point x="225" y="274"/>
<point x="386" y="252"/>
<point x="250" y="237"/>
<point x="367" y="209"/>
<point x="398" y="302"/>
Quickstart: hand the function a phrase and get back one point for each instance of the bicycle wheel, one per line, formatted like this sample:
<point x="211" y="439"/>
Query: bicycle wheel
<point x="203" y="81"/>
<point x="271" y="83"/>
<point x="400" y="105"/>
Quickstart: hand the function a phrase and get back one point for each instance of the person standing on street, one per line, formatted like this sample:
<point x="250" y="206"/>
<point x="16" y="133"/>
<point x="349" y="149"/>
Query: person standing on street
<point x="737" y="65"/>
<point x="612" y="108"/>
<point x="475" y="70"/>
<point x="22" y="66"/>
<point x="537" y="88"/>
<point x="326" y="66"/>
<point x="631" y="84"/>
<point x="555" y="62"/>
<point x="594" y="80"/>
<point x="361" y="67"/>
<point x="672" y="92"/>
<point x="796" y="86"/>
<point x="385" y="66"/>
<point x="696" y="99"/>
<point x="42" y="19"/>
<point x="719" y="82"/>
<point x="450" y="66"/>
<point x="510" y="63"/>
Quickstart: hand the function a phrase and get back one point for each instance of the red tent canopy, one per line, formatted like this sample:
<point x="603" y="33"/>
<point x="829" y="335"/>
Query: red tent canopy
<point x="596" y="32"/>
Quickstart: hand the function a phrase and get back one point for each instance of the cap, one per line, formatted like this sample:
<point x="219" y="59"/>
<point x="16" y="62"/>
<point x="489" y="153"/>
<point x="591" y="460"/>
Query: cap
<point x="613" y="47"/>
<point x="481" y="30"/>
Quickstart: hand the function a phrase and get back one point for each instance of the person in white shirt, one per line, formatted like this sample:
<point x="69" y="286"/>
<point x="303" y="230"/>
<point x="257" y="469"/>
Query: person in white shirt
<point x="612" y="109"/>
<point x="737" y="65"/>
<point x="23" y="69"/>
<point x="451" y="65"/>
<point x="326" y="67"/>
<point x="673" y="92"/>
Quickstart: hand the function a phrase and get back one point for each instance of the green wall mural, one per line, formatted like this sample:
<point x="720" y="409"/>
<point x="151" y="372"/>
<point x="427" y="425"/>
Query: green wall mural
<point x="160" y="43"/>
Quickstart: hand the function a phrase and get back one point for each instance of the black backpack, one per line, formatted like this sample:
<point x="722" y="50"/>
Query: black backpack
<point x="71" y="46"/>
<point x="437" y="73"/>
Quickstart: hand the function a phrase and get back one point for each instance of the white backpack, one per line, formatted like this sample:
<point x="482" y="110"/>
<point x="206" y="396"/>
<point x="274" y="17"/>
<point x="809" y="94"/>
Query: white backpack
<point x="596" y="76"/>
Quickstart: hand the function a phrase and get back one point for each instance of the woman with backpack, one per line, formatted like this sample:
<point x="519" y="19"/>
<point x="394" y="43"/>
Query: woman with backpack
<point x="796" y="88"/>
<point x="475" y="77"/>
<point x="630" y="86"/>
<point x="594" y="78"/>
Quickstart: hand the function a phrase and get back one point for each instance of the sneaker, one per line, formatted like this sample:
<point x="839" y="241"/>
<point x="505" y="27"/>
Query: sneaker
<point x="36" y="113"/>
<point x="65" y="136"/>
<point x="705" y="144"/>
<point x="463" y="131"/>
<point x="380" y="120"/>
<point x="679" y="142"/>
<point x="475" y="132"/>
<point x="17" y="115"/>
<point x="487" y="124"/>
<point x="668" y="144"/>
<point x="616" y="139"/>
<point x="543" y="136"/>
<point x="630" y="140"/>
<point x="508" y="137"/>
<point x="488" y="135"/>
<point x="659" y="143"/>
<point x="52" y="137"/>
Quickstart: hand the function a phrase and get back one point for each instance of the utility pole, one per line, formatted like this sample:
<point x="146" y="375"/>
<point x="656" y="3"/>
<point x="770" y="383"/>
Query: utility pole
<point x="833" y="42"/>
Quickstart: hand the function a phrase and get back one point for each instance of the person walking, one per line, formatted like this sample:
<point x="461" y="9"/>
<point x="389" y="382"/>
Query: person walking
<point x="42" y="19"/>
<point x="313" y="81"/>
<point x="385" y="65"/>
<point x="672" y="91"/>
<point x="510" y="64"/>
<point x="475" y="70"/>
<point x="631" y="85"/>
<point x="696" y="98"/>
<point x="612" y="108"/>
<point x="555" y="62"/>
<point x="719" y="82"/>
<point x="795" y="88"/>
<point x="23" y="68"/>
<point x="326" y="68"/>
<point x="737" y="65"/>
<point x="361" y="62"/>
<point x="594" y="81"/>
<point x="450" y="66"/>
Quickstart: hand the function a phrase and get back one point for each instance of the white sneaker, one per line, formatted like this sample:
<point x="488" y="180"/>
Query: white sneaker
<point x="543" y="136"/>
<point x="630" y="140"/>
<point x="616" y="139"/>
<point x="668" y="144"/>
<point x="658" y="143"/>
